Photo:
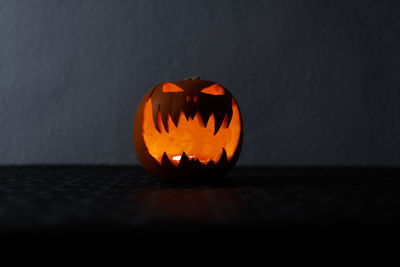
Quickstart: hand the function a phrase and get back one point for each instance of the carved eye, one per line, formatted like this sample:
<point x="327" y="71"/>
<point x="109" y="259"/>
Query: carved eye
<point x="214" y="89"/>
<point x="171" y="88"/>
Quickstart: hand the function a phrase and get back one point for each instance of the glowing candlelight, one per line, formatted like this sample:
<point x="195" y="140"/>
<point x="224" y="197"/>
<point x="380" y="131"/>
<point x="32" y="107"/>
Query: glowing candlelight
<point x="178" y="158"/>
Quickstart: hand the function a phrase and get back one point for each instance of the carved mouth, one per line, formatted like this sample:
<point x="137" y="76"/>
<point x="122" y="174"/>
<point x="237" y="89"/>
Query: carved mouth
<point x="190" y="136"/>
<point x="219" y="117"/>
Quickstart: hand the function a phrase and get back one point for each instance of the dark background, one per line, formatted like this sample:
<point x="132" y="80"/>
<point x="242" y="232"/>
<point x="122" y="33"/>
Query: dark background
<point x="317" y="81"/>
<point x="318" y="85"/>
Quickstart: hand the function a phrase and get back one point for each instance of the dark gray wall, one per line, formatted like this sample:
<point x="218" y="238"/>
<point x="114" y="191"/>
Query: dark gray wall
<point x="317" y="81"/>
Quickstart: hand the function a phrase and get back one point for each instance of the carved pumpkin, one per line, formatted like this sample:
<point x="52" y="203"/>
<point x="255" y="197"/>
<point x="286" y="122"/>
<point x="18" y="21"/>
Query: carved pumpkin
<point x="188" y="130"/>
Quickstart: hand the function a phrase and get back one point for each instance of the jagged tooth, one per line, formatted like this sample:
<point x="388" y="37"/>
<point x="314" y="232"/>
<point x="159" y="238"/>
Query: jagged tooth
<point x="210" y="164"/>
<point x="187" y="113"/>
<point x="197" y="162"/>
<point x="165" y="160"/>
<point x="229" y="115"/>
<point x="156" y="111"/>
<point x="205" y="116"/>
<point x="175" y="117"/>
<point x="193" y="114"/>
<point x="184" y="159"/>
<point x="164" y="118"/>
<point x="223" y="159"/>
<point x="219" y="119"/>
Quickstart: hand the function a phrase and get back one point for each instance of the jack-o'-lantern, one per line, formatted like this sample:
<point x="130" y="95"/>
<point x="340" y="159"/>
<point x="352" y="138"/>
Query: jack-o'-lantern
<point x="188" y="130"/>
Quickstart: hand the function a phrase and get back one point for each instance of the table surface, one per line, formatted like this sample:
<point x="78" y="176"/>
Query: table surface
<point x="285" y="207"/>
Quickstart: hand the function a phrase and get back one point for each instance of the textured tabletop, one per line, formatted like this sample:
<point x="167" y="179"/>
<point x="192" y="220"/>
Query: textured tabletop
<point x="284" y="206"/>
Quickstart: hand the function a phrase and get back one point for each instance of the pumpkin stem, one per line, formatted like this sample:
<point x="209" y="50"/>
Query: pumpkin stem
<point x="192" y="78"/>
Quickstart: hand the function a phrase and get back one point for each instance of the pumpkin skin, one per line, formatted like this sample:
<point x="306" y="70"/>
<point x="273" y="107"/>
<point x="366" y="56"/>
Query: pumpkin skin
<point x="188" y="131"/>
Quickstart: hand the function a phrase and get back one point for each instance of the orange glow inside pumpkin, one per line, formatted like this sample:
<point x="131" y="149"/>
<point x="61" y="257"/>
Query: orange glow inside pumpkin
<point x="191" y="137"/>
